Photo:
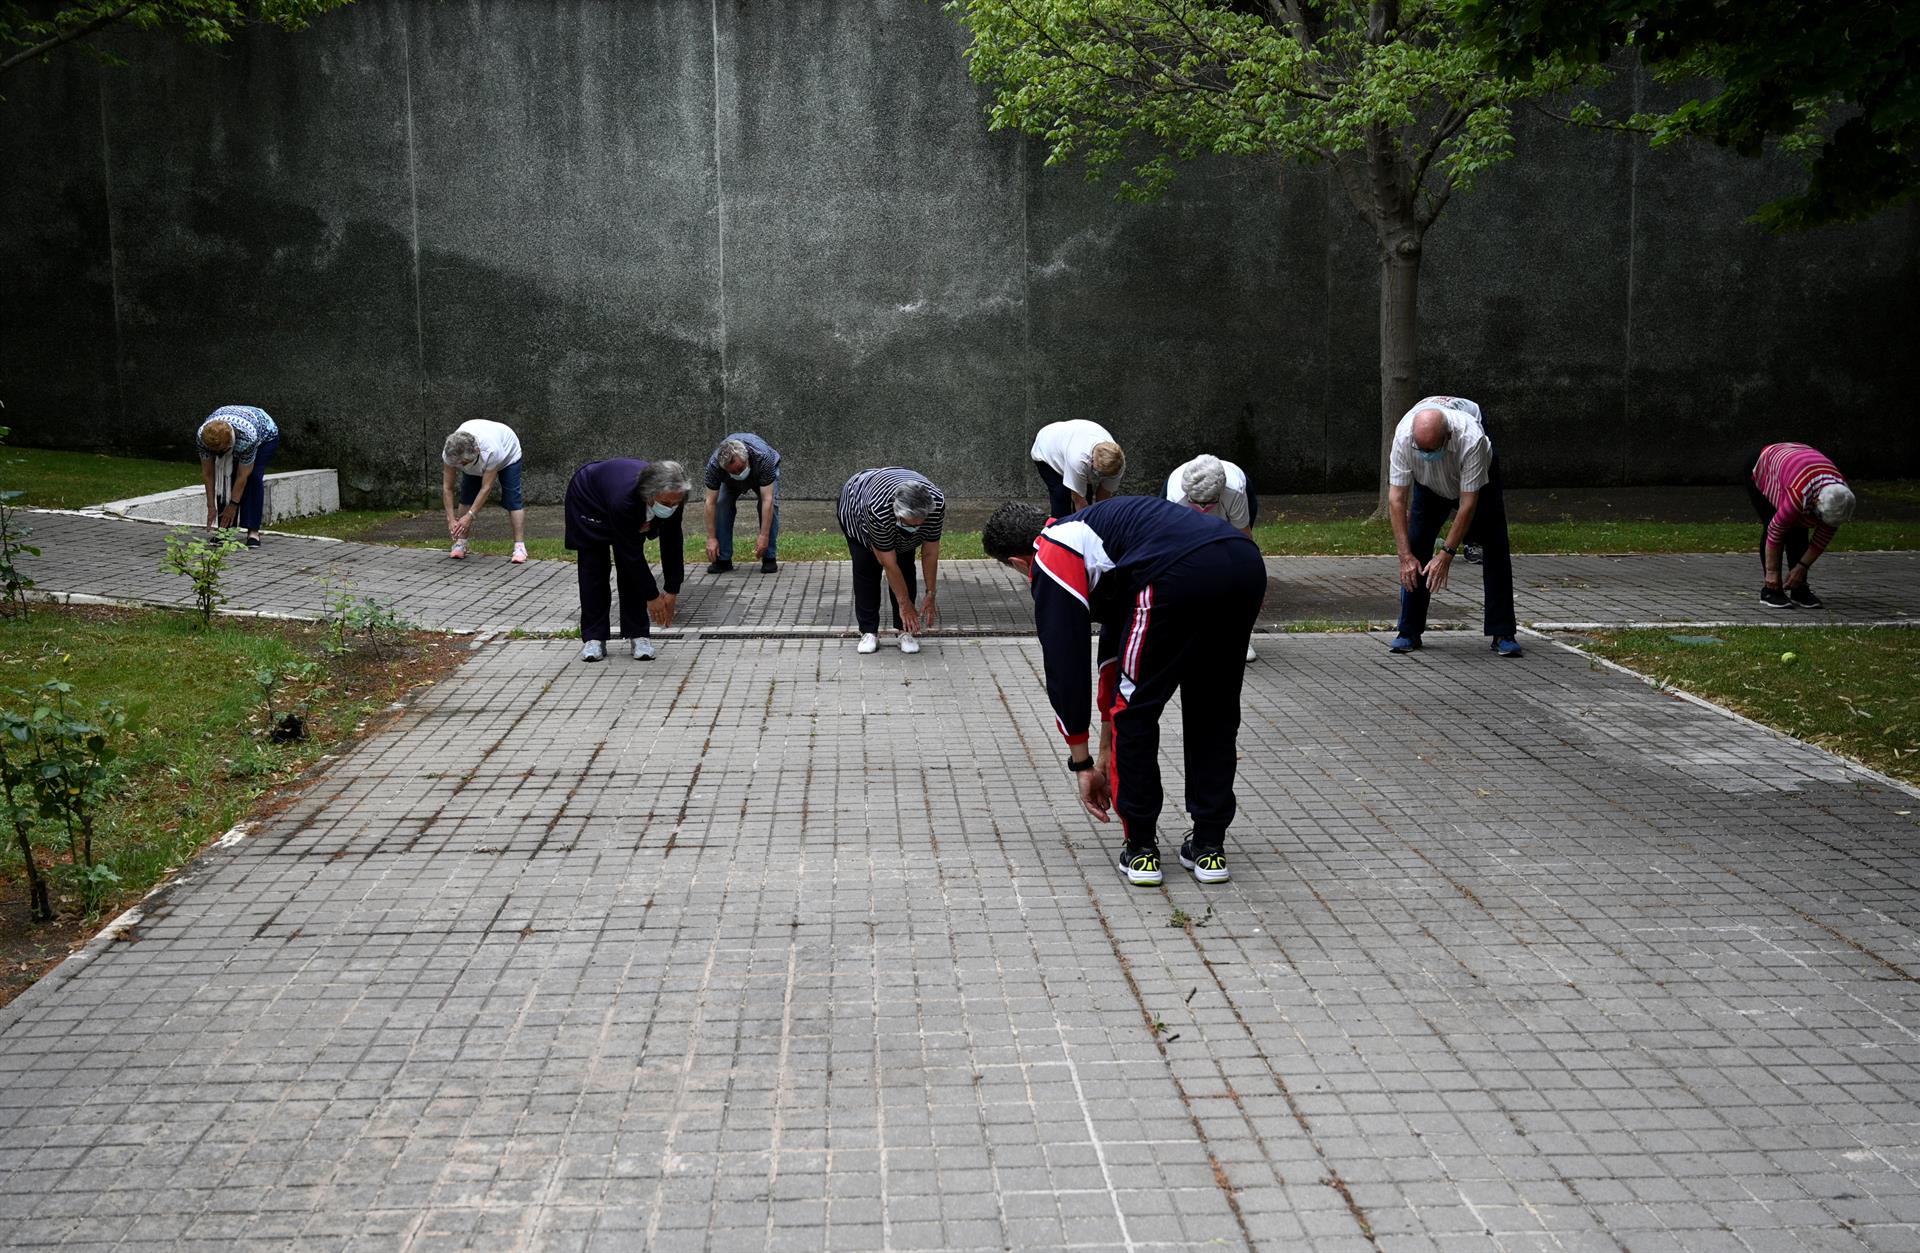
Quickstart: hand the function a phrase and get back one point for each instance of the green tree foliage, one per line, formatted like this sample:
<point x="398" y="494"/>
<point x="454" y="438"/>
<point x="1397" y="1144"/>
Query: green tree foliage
<point x="31" y="32"/>
<point x="1385" y="94"/>
<point x="1835" y="83"/>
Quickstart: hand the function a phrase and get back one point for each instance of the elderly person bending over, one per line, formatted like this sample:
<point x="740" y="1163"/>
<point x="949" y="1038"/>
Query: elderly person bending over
<point x="481" y="453"/>
<point x="885" y="514"/>
<point x="1212" y="486"/>
<point x="1442" y="462"/>
<point x="1079" y="463"/>
<point x="742" y="463"/>
<point x="236" y="444"/>
<point x="1795" y="489"/>
<point x="613" y="508"/>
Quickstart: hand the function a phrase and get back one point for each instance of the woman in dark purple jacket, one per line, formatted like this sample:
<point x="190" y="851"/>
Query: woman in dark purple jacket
<point x="613" y="508"/>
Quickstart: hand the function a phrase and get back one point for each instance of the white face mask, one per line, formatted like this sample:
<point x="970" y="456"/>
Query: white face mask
<point x="663" y="511"/>
<point x="745" y="470"/>
<point x="904" y="527"/>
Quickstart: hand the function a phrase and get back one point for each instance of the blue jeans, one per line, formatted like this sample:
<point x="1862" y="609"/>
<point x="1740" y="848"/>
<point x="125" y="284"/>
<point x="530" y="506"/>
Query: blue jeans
<point x="253" y="497"/>
<point x="727" y="503"/>
<point x="1426" y="515"/>
<point x="511" y="497"/>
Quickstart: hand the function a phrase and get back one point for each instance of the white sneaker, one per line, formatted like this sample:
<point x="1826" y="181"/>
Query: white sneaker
<point x="459" y="549"/>
<point x="593" y="650"/>
<point x="908" y="644"/>
<point x="1251" y="655"/>
<point x="519" y="557"/>
<point x="643" y="650"/>
<point x="868" y="643"/>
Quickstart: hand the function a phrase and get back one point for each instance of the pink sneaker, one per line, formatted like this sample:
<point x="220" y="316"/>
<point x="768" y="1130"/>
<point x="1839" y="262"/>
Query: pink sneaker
<point x="519" y="557"/>
<point x="459" y="549"/>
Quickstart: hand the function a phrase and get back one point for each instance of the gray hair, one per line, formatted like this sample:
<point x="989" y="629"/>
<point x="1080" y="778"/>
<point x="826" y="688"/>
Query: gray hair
<point x="730" y="451"/>
<point x="1834" y="504"/>
<point x="663" y="476"/>
<point x="913" y="500"/>
<point x="460" y="449"/>
<point x="1203" y="479"/>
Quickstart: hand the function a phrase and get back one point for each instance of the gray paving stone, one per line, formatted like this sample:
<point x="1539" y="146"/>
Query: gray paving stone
<point x="766" y="944"/>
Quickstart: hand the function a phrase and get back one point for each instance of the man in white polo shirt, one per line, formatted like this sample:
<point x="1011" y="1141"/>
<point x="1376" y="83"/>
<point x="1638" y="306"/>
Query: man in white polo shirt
<point x="1441" y="461"/>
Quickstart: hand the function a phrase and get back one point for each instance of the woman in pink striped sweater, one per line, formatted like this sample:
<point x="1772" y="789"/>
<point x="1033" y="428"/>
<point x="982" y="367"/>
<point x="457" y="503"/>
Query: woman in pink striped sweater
<point x="1795" y="490"/>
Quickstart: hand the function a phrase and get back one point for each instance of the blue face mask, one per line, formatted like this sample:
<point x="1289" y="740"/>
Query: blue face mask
<point x="1437" y="454"/>
<point x="745" y="470"/>
<point x="903" y="526"/>
<point x="663" y="511"/>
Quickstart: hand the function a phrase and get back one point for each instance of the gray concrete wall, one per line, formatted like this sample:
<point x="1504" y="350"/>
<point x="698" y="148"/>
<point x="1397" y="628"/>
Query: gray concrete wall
<point x="631" y="228"/>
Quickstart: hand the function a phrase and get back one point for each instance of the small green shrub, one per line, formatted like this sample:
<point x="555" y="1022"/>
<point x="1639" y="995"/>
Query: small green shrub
<point x="204" y="562"/>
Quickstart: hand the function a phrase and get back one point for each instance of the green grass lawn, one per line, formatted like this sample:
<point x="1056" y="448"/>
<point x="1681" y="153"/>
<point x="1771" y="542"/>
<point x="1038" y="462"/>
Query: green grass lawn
<point x="194" y="756"/>
<point x="1855" y="691"/>
<point x="73" y="480"/>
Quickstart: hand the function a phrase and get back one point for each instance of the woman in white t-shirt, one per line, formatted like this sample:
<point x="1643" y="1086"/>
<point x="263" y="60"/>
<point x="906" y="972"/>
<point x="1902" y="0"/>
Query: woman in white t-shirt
<point x="481" y="453"/>
<point x="1209" y="485"/>
<point x="1079" y="463"/>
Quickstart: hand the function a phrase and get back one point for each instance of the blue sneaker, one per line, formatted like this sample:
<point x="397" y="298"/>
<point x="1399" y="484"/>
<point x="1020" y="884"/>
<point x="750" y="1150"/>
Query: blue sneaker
<point x="1404" y="644"/>
<point x="1507" y="646"/>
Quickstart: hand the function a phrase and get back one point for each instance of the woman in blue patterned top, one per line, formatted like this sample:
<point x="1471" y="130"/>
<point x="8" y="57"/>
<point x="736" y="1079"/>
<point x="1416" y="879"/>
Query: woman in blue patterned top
<point x="236" y="443"/>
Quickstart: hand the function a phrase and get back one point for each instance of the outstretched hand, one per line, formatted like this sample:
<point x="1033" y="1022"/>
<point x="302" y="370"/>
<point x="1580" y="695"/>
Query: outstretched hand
<point x="1096" y="797"/>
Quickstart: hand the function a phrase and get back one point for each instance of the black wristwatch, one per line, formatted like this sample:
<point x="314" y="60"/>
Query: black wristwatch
<point x="1077" y="766"/>
<point x="1449" y="550"/>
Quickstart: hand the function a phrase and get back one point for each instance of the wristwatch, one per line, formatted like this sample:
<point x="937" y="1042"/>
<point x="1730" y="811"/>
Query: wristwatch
<point x="1449" y="550"/>
<point x="1077" y="766"/>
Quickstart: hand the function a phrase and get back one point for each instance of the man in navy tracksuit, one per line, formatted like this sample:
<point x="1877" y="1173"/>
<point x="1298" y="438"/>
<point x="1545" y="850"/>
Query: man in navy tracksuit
<point x="1175" y="593"/>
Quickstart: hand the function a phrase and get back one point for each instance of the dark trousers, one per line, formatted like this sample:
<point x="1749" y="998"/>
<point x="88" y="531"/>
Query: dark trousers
<point x="595" y="562"/>
<point x="868" y="575"/>
<point x="1188" y="632"/>
<point x="253" y="497"/>
<point x="1426" y="516"/>
<point x="1793" y="543"/>
<point x="1059" y="499"/>
<point x="726" y="507"/>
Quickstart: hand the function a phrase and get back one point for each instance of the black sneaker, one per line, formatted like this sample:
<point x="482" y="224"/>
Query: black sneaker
<point x="1774" y="598"/>
<point x="1472" y="554"/>
<point x="768" y="565"/>
<point x="1803" y="596"/>
<point x="1207" y="867"/>
<point x="719" y="567"/>
<point x="1140" y="866"/>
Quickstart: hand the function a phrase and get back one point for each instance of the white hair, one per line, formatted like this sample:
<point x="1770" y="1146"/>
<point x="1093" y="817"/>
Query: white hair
<point x="460" y="449"/>
<point x="913" y="500"/>
<point x="1834" y="504"/>
<point x="730" y="451"/>
<point x="663" y="476"/>
<point x="1203" y="479"/>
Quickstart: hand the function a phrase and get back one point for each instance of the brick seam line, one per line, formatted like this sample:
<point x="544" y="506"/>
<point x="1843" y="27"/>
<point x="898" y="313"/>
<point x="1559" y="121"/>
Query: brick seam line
<point x="1721" y="625"/>
<point x="1885" y="780"/>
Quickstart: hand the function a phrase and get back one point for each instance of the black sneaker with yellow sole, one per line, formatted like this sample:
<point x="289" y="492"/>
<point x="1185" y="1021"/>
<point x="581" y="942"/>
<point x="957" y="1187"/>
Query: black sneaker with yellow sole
<point x="1207" y="867"/>
<point x="1140" y="866"/>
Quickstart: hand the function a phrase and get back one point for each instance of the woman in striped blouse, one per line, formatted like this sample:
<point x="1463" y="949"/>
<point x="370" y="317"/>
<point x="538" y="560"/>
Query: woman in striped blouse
<point x="236" y="444"/>
<point x="885" y="514"/>
<point x="1795" y="489"/>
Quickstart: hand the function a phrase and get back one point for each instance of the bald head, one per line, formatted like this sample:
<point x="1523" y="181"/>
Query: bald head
<point x="1429" y="430"/>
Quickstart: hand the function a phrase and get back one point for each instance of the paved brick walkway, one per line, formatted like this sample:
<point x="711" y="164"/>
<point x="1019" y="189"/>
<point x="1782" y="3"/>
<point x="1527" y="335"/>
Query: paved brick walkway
<point x="121" y="560"/>
<point x="765" y="944"/>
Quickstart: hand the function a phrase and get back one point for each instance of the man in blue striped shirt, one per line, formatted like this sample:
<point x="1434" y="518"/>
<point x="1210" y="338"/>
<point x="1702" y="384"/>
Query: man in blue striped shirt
<point x="885" y="514"/>
<point x="742" y="463"/>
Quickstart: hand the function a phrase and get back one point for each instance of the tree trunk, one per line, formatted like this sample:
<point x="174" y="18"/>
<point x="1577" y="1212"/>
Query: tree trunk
<point x="37" y="898"/>
<point x="1399" y="339"/>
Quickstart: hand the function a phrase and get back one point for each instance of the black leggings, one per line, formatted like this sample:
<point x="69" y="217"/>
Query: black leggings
<point x="1794" y="542"/>
<point x="868" y="575"/>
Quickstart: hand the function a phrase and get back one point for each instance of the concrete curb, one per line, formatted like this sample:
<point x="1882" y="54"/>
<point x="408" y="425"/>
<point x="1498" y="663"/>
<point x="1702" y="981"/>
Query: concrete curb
<point x="1861" y="768"/>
